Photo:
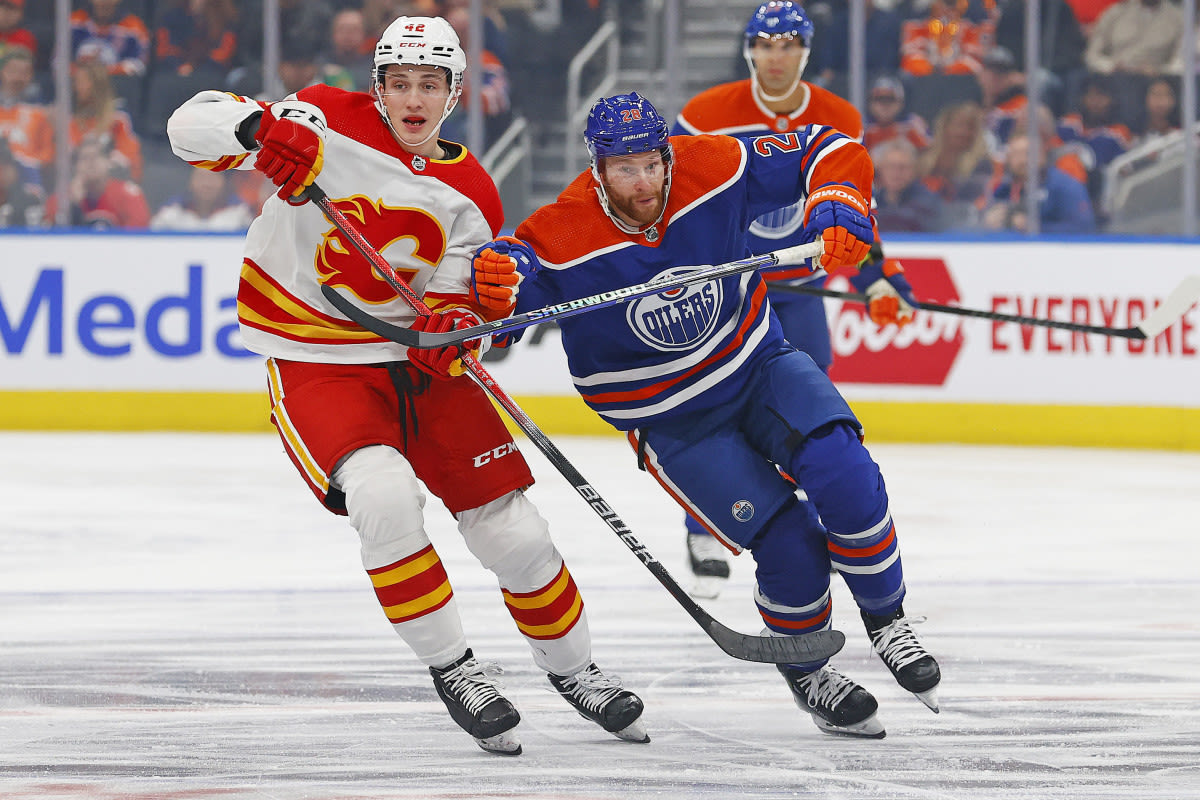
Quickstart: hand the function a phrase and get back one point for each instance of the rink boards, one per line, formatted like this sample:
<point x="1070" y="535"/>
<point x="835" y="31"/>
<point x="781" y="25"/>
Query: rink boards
<point x="139" y="332"/>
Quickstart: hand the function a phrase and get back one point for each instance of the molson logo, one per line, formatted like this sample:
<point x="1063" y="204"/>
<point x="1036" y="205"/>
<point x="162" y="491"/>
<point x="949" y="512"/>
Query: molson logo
<point x="678" y="318"/>
<point x="920" y="353"/>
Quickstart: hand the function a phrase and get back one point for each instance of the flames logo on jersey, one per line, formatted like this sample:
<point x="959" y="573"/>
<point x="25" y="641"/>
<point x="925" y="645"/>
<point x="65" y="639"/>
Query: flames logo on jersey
<point x="339" y="264"/>
<point x="678" y="318"/>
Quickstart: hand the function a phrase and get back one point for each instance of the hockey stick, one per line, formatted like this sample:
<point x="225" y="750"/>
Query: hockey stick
<point x="1181" y="298"/>
<point x="423" y="340"/>
<point x="769" y="649"/>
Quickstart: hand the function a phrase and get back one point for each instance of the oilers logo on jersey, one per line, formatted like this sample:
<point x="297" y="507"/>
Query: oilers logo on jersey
<point x="743" y="510"/>
<point x="677" y="319"/>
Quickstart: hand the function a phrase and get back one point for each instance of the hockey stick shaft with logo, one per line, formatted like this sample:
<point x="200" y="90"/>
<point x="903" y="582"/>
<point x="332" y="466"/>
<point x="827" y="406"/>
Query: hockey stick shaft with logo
<point x="1181" y="298"/>
<point x="768" y="649"/>
<point x="423" y="340"/>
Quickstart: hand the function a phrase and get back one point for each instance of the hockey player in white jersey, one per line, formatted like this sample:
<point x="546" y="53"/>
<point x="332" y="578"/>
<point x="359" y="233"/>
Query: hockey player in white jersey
<point x="362" y="418"/>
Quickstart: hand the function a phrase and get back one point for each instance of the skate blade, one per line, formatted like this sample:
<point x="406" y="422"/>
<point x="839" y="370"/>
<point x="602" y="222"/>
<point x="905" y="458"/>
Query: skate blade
<point x="930" y="698"/>
<point x="707" y="587"/>
<point x="504" y="744"/>
<point x="633" y="732"/>
<point x="869" y="728"/>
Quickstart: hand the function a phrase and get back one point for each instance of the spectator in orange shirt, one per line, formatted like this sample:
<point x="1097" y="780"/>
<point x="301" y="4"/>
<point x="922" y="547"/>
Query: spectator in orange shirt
<point x="885" y="105"/>
<point x="121" y="44"/>
<point x="197" y="37"/>
<point x="96" y="198"/>
<point x="11" y="32"/>
<point x="945" y="42"/>
<point x="26" y="127"/>
<point x="95" y="114"/>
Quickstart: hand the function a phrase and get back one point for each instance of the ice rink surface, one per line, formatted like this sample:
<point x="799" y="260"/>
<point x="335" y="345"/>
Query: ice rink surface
<point x="180" y="619"/>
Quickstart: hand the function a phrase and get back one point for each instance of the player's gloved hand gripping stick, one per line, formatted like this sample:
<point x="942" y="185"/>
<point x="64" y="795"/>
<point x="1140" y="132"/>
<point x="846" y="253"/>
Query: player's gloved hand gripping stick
<point x="770" y="649"/>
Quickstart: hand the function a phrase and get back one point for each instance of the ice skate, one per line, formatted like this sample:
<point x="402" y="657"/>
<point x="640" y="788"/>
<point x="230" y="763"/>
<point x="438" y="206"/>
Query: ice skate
<point x="600" y="698"/>
<point x="911" y="665"/>
<point x="837" y="704"/>
<point x="468" y="689"/>
<point x="709" y="565"/>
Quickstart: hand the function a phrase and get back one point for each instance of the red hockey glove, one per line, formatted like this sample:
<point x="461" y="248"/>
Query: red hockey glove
<point x="890" y="298"/>
<point x="292" y="138"/>
<point x="497" y="272"/>
<point x="444" y="363"/>
<point x="838" y="214"/>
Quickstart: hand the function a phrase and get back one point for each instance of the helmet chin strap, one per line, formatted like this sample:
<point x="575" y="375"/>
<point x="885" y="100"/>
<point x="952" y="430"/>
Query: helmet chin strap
<point x="770" y="98"/>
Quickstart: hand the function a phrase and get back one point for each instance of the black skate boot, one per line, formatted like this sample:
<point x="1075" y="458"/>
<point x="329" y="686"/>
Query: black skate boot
<point x="837" y="704"/>
<point x="468" y="689"/>
<point x="911" y="665"/>
<point x="708" y="561"/>
<point x="601" y="699"/>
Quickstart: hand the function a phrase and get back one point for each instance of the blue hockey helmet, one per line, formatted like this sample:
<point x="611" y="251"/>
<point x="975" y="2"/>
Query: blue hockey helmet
<point x="779" y="18"/>
<point x="625" y="124"/>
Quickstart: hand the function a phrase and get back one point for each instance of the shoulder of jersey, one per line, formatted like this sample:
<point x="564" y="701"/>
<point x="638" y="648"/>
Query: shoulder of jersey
<point x="354" y="115"/>
<point x="575" y="227"/>
<point x="826" y="108"/>
<point x="723" y="108"/>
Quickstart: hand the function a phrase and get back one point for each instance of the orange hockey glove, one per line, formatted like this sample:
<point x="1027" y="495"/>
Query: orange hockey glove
<point x="497" y="271"/>
<point x="890" y="298"/>
<point x="838" y="214"/>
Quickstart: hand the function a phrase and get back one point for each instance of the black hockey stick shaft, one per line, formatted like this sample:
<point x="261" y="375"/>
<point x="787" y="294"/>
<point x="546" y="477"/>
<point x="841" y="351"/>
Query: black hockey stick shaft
<point x="1177" y="303"/>
<point x="777" y="650"/>
<point x="423" y="340"/>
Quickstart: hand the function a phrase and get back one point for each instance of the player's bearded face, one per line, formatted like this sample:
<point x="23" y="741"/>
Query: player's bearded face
<point x="636" y="186"/>
<point x="776" y="62"/>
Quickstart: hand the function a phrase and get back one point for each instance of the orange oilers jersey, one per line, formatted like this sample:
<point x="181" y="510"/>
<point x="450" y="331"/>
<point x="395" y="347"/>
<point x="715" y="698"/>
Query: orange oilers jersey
<point x="425" y="216"/>
<point x="735" y="110"/>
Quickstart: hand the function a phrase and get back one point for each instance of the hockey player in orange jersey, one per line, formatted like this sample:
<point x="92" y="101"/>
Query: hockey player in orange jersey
<point x="775" y="99"/>
<point x="363" y="419"/>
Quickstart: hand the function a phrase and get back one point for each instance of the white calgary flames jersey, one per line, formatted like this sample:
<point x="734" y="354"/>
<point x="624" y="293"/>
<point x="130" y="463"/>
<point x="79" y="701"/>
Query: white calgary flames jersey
<point x="425" y="216"/>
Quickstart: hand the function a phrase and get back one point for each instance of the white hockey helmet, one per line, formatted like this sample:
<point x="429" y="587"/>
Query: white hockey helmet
<point x="426" y="41"/>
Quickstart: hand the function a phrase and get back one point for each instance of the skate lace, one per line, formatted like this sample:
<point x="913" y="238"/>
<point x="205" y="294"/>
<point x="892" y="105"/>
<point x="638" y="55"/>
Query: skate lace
<point x="827" y="687"/>
<point x="897" y="644"/>
<point x="473" y="683"/>
<point x="592" y="688"/>
<point x="704" y="547"/>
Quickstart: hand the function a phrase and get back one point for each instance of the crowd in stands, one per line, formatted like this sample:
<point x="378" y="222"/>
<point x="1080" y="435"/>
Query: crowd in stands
<point x="945" y="110"/>
<point x="135" y="61"/>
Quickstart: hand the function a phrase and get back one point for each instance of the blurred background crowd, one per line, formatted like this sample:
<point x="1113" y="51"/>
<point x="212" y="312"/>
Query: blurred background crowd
<point x="83" y="142"/>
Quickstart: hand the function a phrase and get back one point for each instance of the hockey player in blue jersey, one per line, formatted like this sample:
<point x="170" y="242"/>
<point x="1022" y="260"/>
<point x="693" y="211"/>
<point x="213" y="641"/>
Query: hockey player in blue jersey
<point x="775" y="45"/>
<point x="712" y="397"/>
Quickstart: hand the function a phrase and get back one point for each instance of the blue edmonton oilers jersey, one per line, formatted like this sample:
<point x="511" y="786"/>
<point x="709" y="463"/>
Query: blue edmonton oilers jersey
<point x="693" y="348"/>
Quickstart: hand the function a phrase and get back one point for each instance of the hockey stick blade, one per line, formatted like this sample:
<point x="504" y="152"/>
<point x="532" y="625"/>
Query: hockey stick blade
<point x="1181" y="298"/>
<point x="787" y="650"/>
<point x="816" y="646"/>
<point x="423" y="340"/>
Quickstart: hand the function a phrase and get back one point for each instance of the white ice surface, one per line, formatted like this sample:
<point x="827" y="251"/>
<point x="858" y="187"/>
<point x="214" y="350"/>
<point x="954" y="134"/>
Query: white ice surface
<point x="180" y="619"/>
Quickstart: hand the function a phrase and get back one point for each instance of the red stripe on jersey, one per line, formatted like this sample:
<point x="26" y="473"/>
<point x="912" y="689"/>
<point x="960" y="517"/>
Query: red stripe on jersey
<point x="748" y="322"/>
<point x="865" y="552"/>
